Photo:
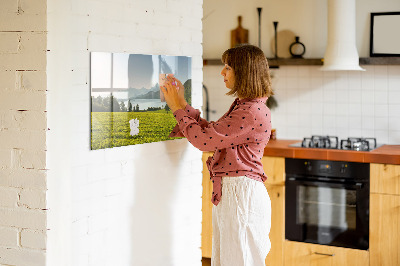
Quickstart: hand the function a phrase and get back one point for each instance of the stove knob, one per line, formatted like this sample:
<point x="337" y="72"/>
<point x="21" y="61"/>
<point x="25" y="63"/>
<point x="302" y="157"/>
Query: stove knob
<point x="343" y="168"/>
<point x="308" y="166"/>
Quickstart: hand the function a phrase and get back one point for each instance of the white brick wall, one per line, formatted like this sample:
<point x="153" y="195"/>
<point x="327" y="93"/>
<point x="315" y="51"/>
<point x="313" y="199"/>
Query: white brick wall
<point x="23" y="218"/>
<point x="9" y="237"/>
<point x="8" y="197"/>
<point x="23" y="132"/>
<point x="23" y="178"/>
<point x="135" y="205"/>
<point x="92" y="196"/>
<point x="33" y="239"/>
<point x="24" y="256"/>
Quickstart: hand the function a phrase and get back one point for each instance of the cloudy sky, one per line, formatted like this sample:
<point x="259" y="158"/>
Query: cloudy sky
<point x="135" y="70"/>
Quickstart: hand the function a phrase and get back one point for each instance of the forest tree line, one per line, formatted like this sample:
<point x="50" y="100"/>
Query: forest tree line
<point x="111" y="104"/>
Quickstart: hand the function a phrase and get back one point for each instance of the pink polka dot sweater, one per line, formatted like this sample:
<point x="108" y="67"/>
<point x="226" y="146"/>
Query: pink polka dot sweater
<point x="238" y="139"/>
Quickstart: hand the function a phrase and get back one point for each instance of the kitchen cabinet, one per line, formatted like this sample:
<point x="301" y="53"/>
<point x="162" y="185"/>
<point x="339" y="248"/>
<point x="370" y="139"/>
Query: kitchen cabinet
<point x="277" y="233"/>
<point x="385" y="230"/>
<point x="274" y="168"/>
<point x="206" y="225"/>
<point x="305" y="254"/>
<point x="385" y="178"/>
<point x="384" y="245"/>
<point x="384" y="248"/>
<point x="385" y="215"/>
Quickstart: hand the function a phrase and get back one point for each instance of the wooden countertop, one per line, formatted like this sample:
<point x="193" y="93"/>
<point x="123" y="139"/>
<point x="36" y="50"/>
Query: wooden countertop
<point x="389" y="154"/>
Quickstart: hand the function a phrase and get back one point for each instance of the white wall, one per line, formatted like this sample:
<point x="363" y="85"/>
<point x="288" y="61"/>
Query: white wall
<point x="343" y="104"/>
<point x="306" y="19"/>
<point x="23" y="133"/>
<point x="134" y="205"/>
<point x="311" y="102"/>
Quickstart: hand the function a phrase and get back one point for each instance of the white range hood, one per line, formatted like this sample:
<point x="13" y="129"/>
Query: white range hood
<point x="341" y="51"/>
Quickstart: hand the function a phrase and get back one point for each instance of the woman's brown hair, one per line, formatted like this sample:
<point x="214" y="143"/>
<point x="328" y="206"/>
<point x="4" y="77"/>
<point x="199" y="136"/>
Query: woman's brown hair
<point x="250" y="66"/>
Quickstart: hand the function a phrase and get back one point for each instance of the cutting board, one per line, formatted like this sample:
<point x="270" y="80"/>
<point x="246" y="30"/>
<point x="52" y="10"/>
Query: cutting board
<point x="239" y="35"/>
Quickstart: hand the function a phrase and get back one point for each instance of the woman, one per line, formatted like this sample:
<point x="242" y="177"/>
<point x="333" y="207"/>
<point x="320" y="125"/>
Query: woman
<point x="242" y="208"/>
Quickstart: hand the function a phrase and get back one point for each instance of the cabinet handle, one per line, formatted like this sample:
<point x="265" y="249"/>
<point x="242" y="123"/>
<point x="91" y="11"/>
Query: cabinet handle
<point x="324" y="254"/>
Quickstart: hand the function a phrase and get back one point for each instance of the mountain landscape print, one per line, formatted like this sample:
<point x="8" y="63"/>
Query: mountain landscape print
<point x="126" y="108"/>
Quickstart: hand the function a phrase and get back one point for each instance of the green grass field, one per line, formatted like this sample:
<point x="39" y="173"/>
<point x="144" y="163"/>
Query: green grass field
<point x="111" y="129"/>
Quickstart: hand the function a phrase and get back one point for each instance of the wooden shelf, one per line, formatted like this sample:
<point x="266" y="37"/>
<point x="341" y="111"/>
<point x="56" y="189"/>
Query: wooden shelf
<point x="212" y="62"/>
<point x="274" y="63"/>
<point x="380" y="61"/>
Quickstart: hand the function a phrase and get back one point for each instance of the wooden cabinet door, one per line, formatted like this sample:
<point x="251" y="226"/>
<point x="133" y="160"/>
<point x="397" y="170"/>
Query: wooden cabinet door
<point x="304" y="254"/>
<point x="206" y="226"/>
<point x="274" y="168"/>
<point x="384" y="237"/>
<point x="277" y="233"/>
<point x="385" y="178"/>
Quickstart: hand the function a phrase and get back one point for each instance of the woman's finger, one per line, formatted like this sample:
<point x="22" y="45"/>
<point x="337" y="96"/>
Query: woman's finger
<point x="169" y="81"/>
<point x="164" y="90"/>
<point x="170" y="91"/>
<point x="170" y="87"/>
<point x="179" y="83"/>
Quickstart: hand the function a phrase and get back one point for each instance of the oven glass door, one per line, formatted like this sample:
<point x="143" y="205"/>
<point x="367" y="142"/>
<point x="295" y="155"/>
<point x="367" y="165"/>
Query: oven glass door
<point x="325" y="207"/>
<point x="326" y="213"/>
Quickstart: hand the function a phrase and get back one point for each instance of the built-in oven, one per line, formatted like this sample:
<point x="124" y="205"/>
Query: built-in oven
<point x="327" y="202"/>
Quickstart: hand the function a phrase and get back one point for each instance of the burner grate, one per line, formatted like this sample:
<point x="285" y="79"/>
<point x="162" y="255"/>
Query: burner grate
<point x="358" y="144"/>
<point x="327" y="142"/>
<point x="332" y="142"/>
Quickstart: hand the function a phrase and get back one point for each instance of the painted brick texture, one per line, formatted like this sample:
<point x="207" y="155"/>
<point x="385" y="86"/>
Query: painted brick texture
<point x="135" y="205"/>
<point x="9" y="237"/>
<point x="33" y="239"/>
<point x="23" y="126"/>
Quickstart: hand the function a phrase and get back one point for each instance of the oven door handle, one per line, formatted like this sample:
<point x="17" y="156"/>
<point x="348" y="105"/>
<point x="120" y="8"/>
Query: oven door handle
<point x="357" y="185"/>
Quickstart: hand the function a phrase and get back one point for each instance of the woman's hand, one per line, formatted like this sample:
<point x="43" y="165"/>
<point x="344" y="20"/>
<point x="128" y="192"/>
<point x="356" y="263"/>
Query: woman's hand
<point x="172" y="95"/>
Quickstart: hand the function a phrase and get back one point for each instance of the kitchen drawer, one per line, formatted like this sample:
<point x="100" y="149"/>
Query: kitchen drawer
<point x="305" y="254"/>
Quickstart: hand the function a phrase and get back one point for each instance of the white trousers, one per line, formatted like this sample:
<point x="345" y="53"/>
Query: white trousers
<point x="241" y="223"/>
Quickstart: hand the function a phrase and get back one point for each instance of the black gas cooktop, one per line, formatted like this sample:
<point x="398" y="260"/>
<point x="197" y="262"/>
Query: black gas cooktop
<point x="332" y="142"/>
